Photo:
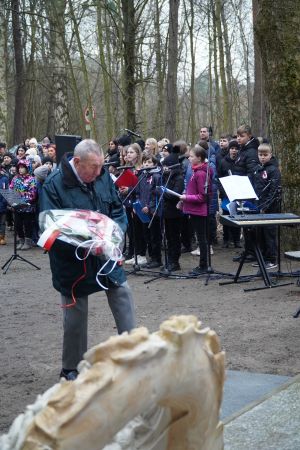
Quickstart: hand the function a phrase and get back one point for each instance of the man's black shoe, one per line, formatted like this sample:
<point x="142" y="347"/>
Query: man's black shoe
<point x="69" y="375"/>
<point x="249" y="258"/>
<point x="173" y="266"/>
<point x="237" y="245"/>
<point x="198" y="271"/>
<point x="153" y="264"/>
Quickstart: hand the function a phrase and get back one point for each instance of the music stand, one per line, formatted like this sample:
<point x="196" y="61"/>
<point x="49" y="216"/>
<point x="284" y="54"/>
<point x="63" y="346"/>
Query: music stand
<point x="15" y="201"/>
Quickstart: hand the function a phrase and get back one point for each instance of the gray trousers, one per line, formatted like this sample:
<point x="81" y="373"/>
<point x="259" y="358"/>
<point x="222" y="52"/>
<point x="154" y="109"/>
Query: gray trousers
<point x="75" y="322"/>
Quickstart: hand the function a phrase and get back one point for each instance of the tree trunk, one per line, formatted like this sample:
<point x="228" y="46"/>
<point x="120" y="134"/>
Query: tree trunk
<point x="190" y="20"/>
<point x="258" y="113"/>
<point x="216" y="74"/>
<point x="128" y="11"/>
<point x="171" y="100"/>
<point x="246" y="62"/>
<point x="58" y="119"/>
<point x="18" y="135"/>
<point x="3" y="75"/>
<point x="277" y="32"/>
<point x="219" y="7"/>
<point x="103" y="34"/>
<point x="89" y="102"/>
<point x="160" y="71"/>
<point x="229" y="75"/>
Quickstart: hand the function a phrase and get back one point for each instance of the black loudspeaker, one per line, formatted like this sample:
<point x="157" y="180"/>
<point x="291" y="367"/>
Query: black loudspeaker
<point x="65" y="144"/>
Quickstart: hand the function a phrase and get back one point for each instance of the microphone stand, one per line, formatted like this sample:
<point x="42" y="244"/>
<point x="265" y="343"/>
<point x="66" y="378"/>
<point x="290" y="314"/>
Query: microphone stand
<point x="136" y="266"/>
<point x="210" y="270"/>
<point x="15" y="256"/>
<point x="165" y="272"/>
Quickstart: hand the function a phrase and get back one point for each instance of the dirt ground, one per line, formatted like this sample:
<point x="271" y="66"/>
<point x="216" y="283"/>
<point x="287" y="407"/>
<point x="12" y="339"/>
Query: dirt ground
<point x="257" y="329"/>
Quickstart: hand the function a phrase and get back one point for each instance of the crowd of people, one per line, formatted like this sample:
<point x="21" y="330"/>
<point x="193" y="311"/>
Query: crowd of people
<point x="24" y="170"/>
<point x="164" y="195"/>
<point x="157" y="220"/>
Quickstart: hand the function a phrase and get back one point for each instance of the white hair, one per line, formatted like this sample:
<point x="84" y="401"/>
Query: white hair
<point x="87" y="146"/>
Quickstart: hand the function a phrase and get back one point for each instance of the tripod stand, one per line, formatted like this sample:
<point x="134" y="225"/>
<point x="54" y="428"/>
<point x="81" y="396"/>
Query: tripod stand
<point x="137" y="268"/>
<point x="15" y="255"/>
<point x="205" y="267"/>
<point x="166" y="272"/>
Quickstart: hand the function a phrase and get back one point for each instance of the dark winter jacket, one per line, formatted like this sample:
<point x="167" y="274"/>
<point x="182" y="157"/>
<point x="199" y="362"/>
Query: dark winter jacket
<point x="247" y="158"/>
<point x="146" y="188"/>
<point x="219" y="158"/>
<point x="175" y="183"/>
<point x="227" y="164"/>
<point x="63" y="190"/>
<point x="3" y="185"/>
<point x="267" y="185"/>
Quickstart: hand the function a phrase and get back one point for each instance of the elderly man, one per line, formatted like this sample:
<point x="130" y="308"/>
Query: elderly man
<point x="81" y="182"/>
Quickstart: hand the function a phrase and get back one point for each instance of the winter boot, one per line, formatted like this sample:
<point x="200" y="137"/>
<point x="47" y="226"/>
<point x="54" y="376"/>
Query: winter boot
<point x="20" y="243"/>
<point x="27" y="244"/>
<point x="2" y="239"/>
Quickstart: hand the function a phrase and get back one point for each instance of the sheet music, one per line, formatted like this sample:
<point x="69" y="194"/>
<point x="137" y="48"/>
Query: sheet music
<point x="238" y="188"/>
<point x="13" y="198"/>
<point x="169" y="191"/>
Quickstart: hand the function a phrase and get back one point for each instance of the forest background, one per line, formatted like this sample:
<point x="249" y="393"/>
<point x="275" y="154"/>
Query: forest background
<point x="161" y="68"/>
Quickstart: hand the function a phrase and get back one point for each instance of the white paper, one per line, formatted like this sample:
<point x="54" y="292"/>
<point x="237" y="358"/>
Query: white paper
<point x="238" y="188"/>
<point x="232" y="208"/>
<point x="169" y="191"/>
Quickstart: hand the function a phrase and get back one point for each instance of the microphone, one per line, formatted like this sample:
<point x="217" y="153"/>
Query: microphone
<point x="173" y="166"/>
<point x="113" y="163"/>
<point x="125" y="167"/>
<point x="132" y="132"/>
<point x="148" y="169"/>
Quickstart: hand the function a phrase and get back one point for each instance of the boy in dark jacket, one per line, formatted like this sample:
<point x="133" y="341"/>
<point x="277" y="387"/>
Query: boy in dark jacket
<point x="172" y="179"/>
<point x="267" y="185"/>
<point x="147" y="196"/>
<point x="248" y="157"/>
<point x="228" y="167"/>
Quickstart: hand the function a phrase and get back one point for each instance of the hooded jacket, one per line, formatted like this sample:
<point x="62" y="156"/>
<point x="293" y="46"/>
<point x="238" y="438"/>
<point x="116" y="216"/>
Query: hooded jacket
<point x="247" y="158"/>
<point x="196" y="200"/>
<point x="63" y="190"/>
<point x="267" y="185"/>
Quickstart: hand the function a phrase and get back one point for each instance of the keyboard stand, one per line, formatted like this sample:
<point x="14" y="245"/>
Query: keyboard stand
<point x="262" y="272"/>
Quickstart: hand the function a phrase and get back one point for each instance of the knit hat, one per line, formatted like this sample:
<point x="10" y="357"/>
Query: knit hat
<point x="23" y="162"/>
<point x="31" y="151"/>
<point x="168" y="147"/>
<point x="46" y="141"/>
<point x="8" y="154"/>
<point x="234" y="143"/>
<point x="47" y="159"/>
<point x="34" y="158"/>
<point x="141" y="143"/>
<point x="124" y="140"/>
<point x="176" y="148"/>
<point x="170" y="160"/>
<point x="41" y="173"/>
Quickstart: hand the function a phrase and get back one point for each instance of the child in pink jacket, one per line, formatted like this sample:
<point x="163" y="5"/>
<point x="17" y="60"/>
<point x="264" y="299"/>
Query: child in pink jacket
<point x="195" y="202"/>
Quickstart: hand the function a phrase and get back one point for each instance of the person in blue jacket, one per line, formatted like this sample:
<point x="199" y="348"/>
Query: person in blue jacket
<point x="81" y="182"/>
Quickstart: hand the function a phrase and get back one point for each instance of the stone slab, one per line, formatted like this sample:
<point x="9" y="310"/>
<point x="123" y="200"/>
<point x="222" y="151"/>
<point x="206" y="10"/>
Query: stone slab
<point x="272" y="424"/>
<point x="243" y="388"/>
